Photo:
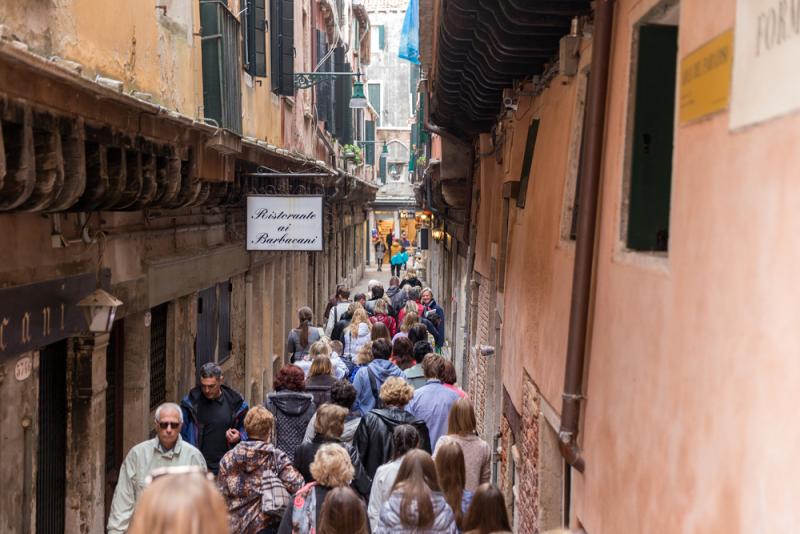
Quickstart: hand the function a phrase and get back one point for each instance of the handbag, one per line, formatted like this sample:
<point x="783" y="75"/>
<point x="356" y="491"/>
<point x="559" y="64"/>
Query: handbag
<point x="274" y="495"/>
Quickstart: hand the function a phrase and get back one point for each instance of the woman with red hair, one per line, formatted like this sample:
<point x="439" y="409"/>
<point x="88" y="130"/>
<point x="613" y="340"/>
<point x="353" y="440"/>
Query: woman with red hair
<point x="292" y="408"/>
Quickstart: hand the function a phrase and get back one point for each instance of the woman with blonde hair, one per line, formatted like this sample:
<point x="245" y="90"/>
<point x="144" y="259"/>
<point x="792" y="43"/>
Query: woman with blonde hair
<point x="410" y="319"/>
<point x="323" y="348"/>
<point x="462" y="429"/>
<point x="331" y="469"/>
<point x="416" y="503"/>
<point x="342" y="512"/>
<point x="357" y="333"/>
<point x="245" y="473"/>
<point x="450" y="469"/>
<point x="185" y="503"/>
<point x="487" y="512"/>
<point x="301" y="338"/>
<point x="381" y="315"/>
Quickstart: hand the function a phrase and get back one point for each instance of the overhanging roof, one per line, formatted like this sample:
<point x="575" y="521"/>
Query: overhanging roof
<point x="484" y="46"/>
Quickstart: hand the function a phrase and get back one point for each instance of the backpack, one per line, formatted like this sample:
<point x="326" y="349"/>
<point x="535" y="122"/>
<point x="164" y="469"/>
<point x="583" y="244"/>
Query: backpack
<point x="373" y="386"/>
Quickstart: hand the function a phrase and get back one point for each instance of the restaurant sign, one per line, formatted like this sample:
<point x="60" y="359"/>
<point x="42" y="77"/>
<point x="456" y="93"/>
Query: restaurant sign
<point x="35" y="315"/>
<point x="766" y="51"/>
<point x="284" y="222"/>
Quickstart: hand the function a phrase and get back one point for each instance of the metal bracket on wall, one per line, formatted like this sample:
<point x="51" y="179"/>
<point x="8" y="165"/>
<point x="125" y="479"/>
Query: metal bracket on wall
<point x="304" y="80"/>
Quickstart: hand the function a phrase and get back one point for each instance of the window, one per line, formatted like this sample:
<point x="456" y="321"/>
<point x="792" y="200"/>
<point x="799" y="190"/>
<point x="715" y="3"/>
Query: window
<point x="281" y="38"/>
<point x="527" y="162"/>
<point x="158" y="355"/>
<point x="649" y="181"/>
<point x="413" y="80"/>
<point x="374" y="97"/>
<point x="254" y="41"/>
<point x="222" y="93"/>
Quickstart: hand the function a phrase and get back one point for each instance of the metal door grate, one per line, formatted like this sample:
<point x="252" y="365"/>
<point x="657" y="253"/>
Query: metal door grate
<point x="52" y="439"/>
<point x="158" y="355"/>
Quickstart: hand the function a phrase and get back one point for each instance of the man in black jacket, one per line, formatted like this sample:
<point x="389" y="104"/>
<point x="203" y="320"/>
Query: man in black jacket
<point x="373" y="437"/>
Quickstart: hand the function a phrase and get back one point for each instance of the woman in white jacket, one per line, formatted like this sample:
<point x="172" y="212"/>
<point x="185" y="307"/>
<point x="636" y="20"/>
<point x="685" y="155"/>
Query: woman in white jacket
<point x="404" y="438"/>
<point x="357" y="333"/>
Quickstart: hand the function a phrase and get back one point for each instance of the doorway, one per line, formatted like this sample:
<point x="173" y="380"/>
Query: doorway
<point x="52" y="439"/>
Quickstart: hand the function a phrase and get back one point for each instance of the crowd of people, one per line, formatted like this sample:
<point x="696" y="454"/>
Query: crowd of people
<point x="365" y="430"/>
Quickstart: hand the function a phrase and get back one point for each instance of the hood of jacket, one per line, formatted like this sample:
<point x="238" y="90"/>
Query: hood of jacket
<point x="392" y="291"/>
<point x="442" y="514"/>
<point x="384" y="369"/>
<point x="291" y="403"/>
<point x="363" y="330"/>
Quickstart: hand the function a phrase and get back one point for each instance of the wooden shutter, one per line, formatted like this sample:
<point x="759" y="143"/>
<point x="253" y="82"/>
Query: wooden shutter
<point x="255" y="22"/>
<point x="370" y="146"/>
<point x="527" y="162"/>
<point x="374" y="97"/>
<point x="381" y="37"/>
<point x="282" y="46"/>
<point x="339" y="92"/>
<point x="323" y="89"/>
<point x="224" y="307"/>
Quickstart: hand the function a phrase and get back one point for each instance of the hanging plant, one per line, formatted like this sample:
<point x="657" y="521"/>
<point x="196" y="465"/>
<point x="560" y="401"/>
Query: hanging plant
<point x="353" y="152"/>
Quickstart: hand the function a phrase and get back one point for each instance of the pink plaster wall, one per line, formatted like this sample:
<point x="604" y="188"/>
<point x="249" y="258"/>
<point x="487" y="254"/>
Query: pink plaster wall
<point x="689" y="423"/>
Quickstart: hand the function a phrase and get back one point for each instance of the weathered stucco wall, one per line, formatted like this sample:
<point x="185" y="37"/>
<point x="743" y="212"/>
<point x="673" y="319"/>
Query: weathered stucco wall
<point x="692" y="367"/>
<point x="129" y="41"/>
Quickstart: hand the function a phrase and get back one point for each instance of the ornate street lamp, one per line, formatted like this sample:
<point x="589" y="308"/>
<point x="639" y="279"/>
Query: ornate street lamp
<point x="358" y="100"/>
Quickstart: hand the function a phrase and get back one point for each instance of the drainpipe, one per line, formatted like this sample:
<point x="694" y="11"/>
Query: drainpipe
<point x="592" y="154"/>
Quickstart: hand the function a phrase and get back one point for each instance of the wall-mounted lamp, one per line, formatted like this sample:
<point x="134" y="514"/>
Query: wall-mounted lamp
<point x="438" y="234"/>
<point x="100" y="307"/>
<point x="358" y="100"/>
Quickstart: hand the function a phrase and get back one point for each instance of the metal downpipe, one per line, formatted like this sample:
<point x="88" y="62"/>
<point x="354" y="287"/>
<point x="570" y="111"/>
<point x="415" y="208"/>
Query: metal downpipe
<point x="592" y="154"/>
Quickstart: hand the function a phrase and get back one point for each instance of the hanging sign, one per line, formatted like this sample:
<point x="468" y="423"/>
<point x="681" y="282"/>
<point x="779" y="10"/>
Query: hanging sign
<point x="284" y="222"/>
<point x="767" y="45"/>
<point x="705" y="79"/>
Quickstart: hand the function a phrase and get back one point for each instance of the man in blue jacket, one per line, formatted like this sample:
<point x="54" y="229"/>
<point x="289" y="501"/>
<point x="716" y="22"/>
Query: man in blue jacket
<point x="213" y="416"/>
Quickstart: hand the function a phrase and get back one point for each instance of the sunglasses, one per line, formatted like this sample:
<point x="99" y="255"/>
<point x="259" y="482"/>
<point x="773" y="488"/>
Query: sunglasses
<point x="168" y="424"/>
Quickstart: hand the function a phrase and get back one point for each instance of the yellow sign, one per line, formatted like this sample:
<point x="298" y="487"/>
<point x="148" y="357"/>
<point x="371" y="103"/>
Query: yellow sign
<point x="706" y="79"/>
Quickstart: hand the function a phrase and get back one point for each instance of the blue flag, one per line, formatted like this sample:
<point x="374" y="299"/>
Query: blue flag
<point x="409" y="38"/>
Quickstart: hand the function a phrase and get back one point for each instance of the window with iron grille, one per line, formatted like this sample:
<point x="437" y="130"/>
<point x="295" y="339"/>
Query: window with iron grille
<point x="158" y="355"/>
<point x="222" y="93"/>
<point x="281" y="34"/>
<point x="254" y="41"/>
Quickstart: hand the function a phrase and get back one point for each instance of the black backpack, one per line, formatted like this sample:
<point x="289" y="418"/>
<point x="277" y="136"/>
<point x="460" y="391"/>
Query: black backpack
<point x="373" y="385"/>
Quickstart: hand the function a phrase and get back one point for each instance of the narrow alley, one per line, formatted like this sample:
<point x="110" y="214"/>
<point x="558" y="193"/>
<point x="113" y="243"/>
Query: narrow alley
<point x="386" y="266"/>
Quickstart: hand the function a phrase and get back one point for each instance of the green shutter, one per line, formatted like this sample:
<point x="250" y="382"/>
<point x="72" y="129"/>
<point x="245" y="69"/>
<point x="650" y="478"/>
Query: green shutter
<point x="222" y="94"/>
<point x="369" y="128"/>
<point x="374" y="97"/>
<point x="381" y="37"/>
<point x="282" y="44"/>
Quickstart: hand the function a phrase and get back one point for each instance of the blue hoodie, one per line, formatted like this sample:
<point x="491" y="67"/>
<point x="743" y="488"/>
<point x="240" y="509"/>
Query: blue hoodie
<point x="382" y="369"/>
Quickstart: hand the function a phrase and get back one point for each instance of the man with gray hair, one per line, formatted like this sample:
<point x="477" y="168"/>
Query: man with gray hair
<point x="167" y="449"/>
<point x="214" y="415"/>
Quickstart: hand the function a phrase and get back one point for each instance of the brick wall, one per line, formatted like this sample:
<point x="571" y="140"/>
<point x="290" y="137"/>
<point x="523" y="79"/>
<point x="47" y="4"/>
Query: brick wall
<point x="527" y="508"/>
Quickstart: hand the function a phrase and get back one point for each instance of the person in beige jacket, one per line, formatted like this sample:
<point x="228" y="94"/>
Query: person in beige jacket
<point x="167" y="449"/>
<point x="461" y="429"/>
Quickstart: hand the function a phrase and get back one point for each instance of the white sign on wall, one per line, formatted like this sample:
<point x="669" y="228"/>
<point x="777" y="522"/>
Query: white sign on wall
<point x="766" y="83"/>
<point x="287" y="222"/>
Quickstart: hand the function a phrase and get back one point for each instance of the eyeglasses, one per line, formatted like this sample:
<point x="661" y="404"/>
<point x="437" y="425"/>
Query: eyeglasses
<point x="168" y="424"/>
